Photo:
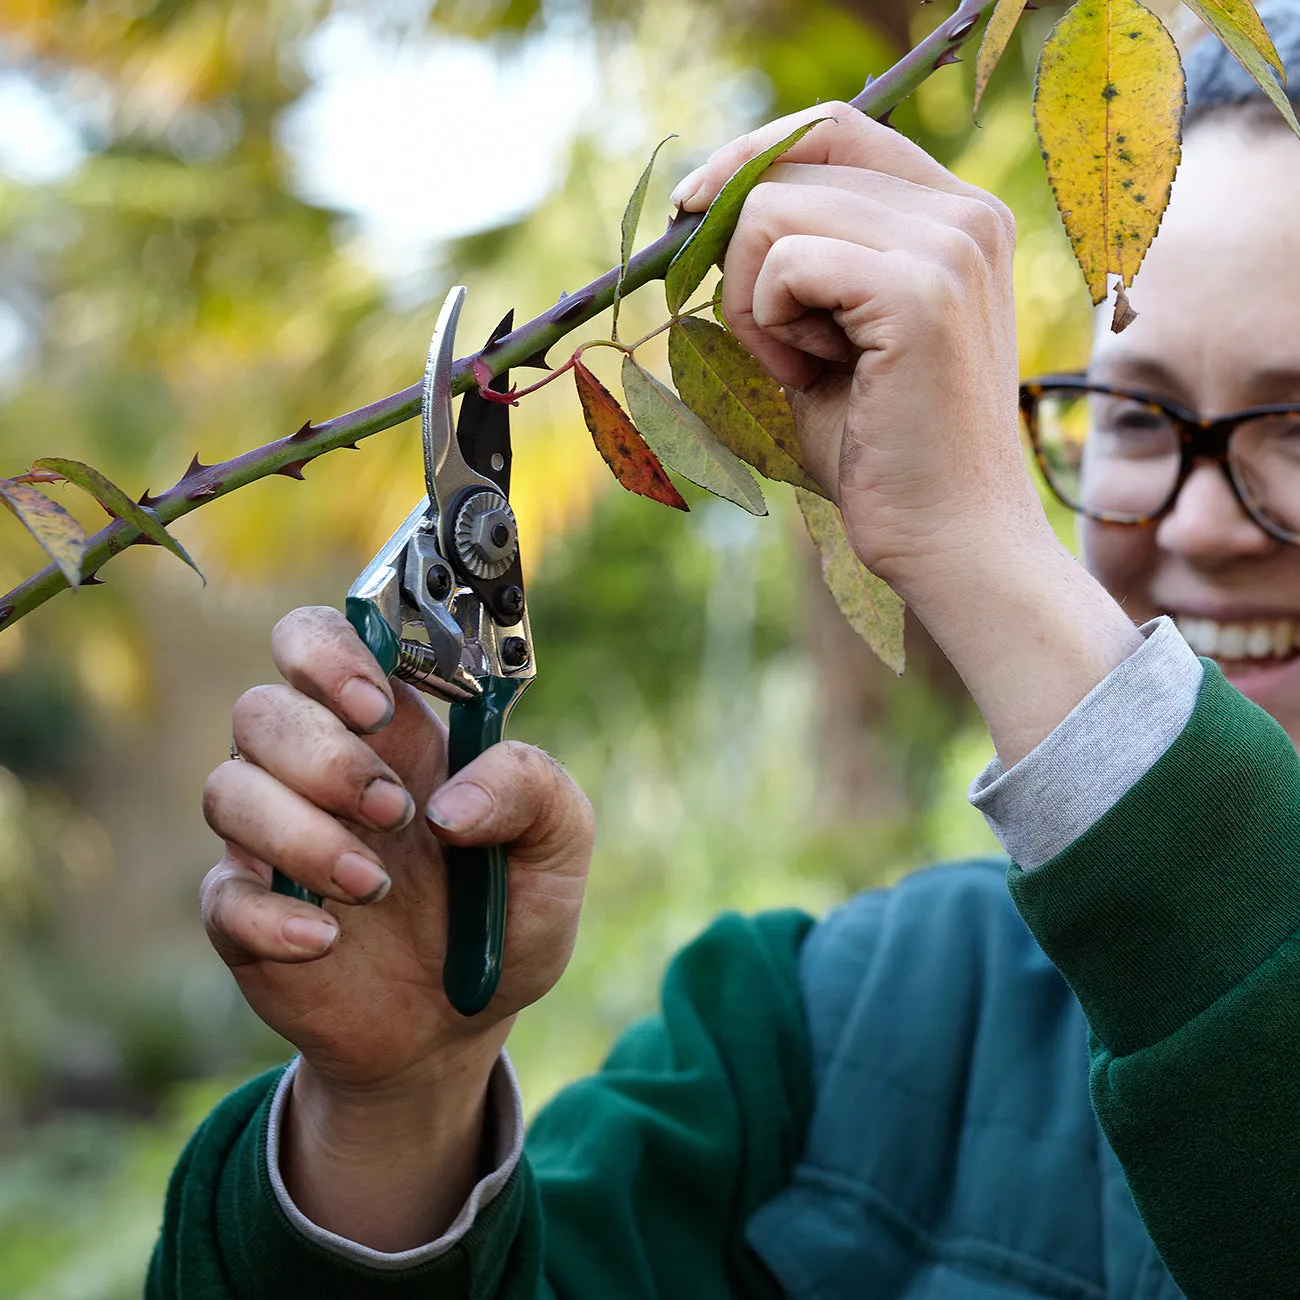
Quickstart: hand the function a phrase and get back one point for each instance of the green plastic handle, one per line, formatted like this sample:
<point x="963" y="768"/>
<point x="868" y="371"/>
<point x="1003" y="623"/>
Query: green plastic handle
<point x="476" y="877"/>
<point x="382" y="642"/>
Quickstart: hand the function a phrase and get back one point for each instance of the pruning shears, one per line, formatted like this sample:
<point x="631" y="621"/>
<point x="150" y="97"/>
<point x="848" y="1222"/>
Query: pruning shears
<point x="451" y="575"/>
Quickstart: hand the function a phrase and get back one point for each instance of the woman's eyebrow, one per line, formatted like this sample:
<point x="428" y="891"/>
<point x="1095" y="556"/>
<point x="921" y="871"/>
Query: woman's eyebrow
<point x="1139" y="372"/>
<point x="1274" y="384"/>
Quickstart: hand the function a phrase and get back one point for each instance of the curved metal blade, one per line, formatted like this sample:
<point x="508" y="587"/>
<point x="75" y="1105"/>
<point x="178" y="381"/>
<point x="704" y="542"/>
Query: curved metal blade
<point x="435" y="398"/>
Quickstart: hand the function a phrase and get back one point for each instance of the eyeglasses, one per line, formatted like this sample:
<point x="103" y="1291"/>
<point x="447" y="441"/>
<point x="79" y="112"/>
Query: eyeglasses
<point x="1122" y="456"/>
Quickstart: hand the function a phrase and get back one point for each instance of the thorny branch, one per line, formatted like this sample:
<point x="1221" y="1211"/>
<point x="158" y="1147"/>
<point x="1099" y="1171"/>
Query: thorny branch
<point x="525" y="346"/>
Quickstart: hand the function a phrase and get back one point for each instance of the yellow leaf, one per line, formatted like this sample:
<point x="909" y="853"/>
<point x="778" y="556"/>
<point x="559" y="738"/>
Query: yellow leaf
<point x="1108" y="106"/>
<point x="1238" y="26"/>
<point x="58" y="532"/>
<point x="993" y="44"/>
<point x="872" y="608"/>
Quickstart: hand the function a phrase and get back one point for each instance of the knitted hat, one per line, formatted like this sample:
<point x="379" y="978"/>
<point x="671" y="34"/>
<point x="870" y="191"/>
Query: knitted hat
<point x="1216" y="80"/>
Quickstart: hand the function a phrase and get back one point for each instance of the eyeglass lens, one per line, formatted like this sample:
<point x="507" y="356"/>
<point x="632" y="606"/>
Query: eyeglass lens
<point x="1120" y="457"/>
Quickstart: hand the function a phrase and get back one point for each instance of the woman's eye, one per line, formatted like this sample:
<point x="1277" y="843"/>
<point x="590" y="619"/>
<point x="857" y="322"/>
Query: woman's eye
<point x="1131" y="430"/>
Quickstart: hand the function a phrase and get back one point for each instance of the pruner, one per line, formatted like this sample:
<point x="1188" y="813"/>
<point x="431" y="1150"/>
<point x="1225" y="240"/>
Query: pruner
<point x="442" y="606"/>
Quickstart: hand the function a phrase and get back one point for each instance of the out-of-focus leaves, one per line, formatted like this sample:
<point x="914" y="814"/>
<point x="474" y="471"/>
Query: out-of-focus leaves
<point x="61" y="536"/>
<point x="1238" y="26"/>
<point x="738" y="400"/>
<point x="1108" y="107"/>
<point x="682" y="440"/>
<point x="116" y="502"/>
<point x="632" y="219"/>
<point x="707" y="245"/>
<point x="993" y="44"/>
<point x="869" y="603"/>
<point x="622" y="446"/>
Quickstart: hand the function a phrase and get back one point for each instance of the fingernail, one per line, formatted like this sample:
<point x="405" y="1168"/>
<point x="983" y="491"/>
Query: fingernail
<point x="365" y="704"/>
<point x="687" y="188"/>
<point x="366" y="881"/>
<point x="459" y="807"/>
<point x="309" y="935"/>
<point x="385" y="804"/>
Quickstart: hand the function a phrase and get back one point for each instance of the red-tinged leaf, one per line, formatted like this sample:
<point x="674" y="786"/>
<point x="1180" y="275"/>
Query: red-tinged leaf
<point x="117" y="503"/>
<point x="634" y="465"/>
<point x="61" y="536"/>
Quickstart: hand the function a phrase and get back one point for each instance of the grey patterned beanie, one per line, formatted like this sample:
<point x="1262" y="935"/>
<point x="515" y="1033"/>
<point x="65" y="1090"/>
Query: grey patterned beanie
<point x="1215" y="80"/>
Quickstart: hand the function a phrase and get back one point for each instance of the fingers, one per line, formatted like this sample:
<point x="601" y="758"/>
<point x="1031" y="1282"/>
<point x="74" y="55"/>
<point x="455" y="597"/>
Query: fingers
<point x="848" y="139"/>
<point x="318" y="652"/>
<point x="516" y="794"/>
<point x="246" y="922"/>
<point x="308" y="749"/>
<point x="250" y="809"/>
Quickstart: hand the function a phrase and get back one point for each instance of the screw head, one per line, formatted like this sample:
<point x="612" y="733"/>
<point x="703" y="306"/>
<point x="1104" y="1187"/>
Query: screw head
<point x="511" y="599"/>
<point x="514" y="651"/>
<point x="437" y="581"/>
<point x="500" y="536"/>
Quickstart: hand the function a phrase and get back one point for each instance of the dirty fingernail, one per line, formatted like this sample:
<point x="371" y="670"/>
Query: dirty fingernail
<point x="385" y="804"/>
<point x="309" y="935"/>
<point x="366" y="881"/>
<point x="686" y="187"/>
<point x="365" y="704"/>
<point x="459" y="807"/>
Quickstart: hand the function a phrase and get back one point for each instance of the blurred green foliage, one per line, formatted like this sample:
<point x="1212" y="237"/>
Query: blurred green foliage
<point x="175" y="293"/>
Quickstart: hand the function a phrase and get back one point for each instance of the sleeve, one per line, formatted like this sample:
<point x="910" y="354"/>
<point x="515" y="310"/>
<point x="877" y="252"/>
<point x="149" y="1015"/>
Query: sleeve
<point x="1103" y="747"/>
<point x="636" y="1182"/>
<point x="1175" y="921"/>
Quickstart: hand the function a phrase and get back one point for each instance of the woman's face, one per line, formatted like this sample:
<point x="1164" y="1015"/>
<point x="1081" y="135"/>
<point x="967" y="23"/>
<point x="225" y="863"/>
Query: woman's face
<point x="1218" y="329"/>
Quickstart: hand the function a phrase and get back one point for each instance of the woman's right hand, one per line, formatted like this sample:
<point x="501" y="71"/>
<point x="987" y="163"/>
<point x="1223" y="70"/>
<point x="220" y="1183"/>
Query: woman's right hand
<point x="342" y="787"/>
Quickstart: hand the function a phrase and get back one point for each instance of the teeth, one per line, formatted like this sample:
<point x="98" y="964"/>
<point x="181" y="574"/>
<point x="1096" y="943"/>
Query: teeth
<point x="1274" y="639"/>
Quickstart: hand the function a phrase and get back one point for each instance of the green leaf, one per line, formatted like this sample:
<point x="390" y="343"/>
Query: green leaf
<point x="1108" y="105"/>
<point x="1238" y="26"/>
<point x="872" y="608"/>
<point x="116" y="502"/>
<point x="682" y="440"/>
<point x="740" y="402"/>
<point x="62" y="537"/>
<point x="632" y="219"/>
<point x="993" y="44"/>
<point x="709" y="242"/>
<point x="620" y="443"/>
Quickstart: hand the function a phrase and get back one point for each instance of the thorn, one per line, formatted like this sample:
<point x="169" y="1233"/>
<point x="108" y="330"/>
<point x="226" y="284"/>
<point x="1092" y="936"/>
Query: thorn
<point x="1029" y="4"/>
<point x="507" y="324"/>
<point x="93" y="581"/>
<point x="302" y="434"/>
<point x="196" y="467"/>
<point x="143" y="540"/>
<point x="148" y="500"/>
<point x="538" y="360"/>
<point x="886" y="118"/>
<point x="948" y="56"/>
<point x="293" y="469"/>
<point x="574" y="305"/>
<point x="964" y="30"/>
<point x="6" y="613"/>
<point x="562" y="297"/>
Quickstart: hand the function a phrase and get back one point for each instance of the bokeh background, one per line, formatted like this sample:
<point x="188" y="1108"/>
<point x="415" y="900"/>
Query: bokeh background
<point x="219" y="218"/>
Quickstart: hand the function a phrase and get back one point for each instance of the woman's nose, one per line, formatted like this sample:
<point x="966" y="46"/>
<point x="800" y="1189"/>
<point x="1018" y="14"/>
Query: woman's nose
<point x="1207" y="525"/>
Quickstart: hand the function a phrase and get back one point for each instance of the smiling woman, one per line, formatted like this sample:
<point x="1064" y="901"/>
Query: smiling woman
<point x="1218" y="301"/>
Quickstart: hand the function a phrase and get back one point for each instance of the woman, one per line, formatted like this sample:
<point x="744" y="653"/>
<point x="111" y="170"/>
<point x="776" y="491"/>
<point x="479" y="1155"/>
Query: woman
<point x="895" y="1101"/>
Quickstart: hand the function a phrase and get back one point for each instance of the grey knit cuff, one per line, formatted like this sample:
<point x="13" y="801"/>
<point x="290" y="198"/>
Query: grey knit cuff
<point x="505" y="1106"/>
<point x="1107" y="743"/>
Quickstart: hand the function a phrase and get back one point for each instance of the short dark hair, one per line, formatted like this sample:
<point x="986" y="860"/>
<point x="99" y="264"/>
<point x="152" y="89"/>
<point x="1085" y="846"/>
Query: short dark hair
<point x="1217" y="84"/>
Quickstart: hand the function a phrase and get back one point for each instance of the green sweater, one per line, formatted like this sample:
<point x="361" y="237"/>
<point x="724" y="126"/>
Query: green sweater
<point x="1173" y="920"/>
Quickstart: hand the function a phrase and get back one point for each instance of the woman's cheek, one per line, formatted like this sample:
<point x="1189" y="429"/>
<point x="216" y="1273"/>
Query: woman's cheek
<point x="1122" y="557"/>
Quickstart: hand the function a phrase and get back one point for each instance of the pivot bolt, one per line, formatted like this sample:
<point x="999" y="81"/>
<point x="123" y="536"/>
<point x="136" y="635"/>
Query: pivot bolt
<point x="514" y="650"/>
<point x="511" y="599"/>
<point x="437" y="581"/>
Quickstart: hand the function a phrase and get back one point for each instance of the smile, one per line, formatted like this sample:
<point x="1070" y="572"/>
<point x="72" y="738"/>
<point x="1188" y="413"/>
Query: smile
<point x="1259" y="640"/>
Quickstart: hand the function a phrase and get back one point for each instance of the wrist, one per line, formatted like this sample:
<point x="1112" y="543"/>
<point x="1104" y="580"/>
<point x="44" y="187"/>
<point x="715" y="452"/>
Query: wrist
<point x="389" y="1163"/>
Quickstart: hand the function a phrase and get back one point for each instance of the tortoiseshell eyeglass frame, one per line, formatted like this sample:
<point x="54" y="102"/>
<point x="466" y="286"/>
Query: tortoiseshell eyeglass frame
<point x="1200" y="439"/>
